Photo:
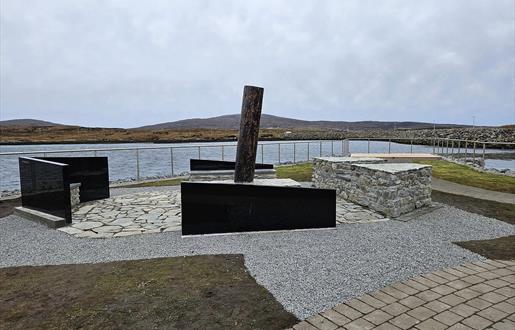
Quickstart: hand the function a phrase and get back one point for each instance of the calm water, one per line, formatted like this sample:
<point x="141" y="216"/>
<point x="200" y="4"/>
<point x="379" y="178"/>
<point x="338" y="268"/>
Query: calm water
<point x="500" y="164"/>
<point x="156" y="162"/>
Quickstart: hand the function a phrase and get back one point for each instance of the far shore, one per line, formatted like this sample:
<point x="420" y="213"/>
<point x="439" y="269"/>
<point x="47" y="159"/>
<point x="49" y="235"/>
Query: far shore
<point x="64" y="135"/>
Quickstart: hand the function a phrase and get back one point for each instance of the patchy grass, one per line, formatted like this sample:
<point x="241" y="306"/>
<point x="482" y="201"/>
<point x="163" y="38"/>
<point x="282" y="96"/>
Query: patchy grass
<point x="501" y="211"/>
<point x="465" y="175"/>
<point x="298" y="172"/>
<point x="198" y="292"/>
<point x="499" y="248"/>
<point x="167" y="182"/>
<point x="7" y="206"/>
<point x="502" y="248"/>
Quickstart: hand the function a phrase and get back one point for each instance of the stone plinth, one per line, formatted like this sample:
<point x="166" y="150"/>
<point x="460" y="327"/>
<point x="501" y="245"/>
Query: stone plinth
<point x="334" y="172"/>
<point x="228" y="175"/>
<point x="390" y="188"/>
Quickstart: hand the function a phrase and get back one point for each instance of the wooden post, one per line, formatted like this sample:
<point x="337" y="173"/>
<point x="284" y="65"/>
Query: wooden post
<point x="249" y="131"/>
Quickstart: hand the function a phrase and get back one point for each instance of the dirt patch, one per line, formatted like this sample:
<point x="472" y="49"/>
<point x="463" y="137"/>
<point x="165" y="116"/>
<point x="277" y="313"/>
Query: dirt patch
<point x="501" y="211"/>
<point x="199" y="292"/>
<point x="7" y="206"/>
<point x="502" y="248"/>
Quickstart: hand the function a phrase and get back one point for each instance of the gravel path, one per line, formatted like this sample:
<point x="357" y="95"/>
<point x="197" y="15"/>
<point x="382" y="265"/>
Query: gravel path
<point x="307" y="271"/>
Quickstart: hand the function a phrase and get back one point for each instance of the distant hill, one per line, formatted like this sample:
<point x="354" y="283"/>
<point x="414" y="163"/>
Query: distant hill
<point x="27" y="123"/>
<point x="270" y="121"/>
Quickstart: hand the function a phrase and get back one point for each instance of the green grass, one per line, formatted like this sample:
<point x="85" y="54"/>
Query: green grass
<point x="463" y="174"/>
<point x="298" y="172"/>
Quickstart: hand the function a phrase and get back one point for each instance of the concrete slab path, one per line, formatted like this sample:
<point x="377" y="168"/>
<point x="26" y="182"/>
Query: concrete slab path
<point x="459" y="189"/>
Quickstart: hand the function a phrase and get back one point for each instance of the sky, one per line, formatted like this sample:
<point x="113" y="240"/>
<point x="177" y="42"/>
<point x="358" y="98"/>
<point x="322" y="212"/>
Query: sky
<point x="122" y="63"/>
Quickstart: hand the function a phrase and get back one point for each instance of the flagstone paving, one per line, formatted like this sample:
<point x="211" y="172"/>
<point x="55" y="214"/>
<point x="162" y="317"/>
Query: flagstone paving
<point x="477" y="295"/>
<point x="160" y="211"/>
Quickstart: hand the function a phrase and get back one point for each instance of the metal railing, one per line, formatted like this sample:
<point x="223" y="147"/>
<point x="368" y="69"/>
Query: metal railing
<point x="440" y="146"/>
<point x="465" y="149"/>
<point x="337" y="147"/>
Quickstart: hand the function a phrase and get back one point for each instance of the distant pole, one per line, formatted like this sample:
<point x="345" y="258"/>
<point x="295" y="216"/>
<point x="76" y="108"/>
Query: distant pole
<point x="249" y="133"/>
<point x="473" y="121"/>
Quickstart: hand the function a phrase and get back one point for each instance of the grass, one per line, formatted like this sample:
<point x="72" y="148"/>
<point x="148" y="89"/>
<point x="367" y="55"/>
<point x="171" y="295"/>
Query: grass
<point x="298" y="172"/>
<point x="501" y="211"/>
<point x="7" y="206"/>
<point x="197" y="292"/>
<point x="499" y="248"/>
<point x="502" y="248"/>
<point x="463" y="174"/>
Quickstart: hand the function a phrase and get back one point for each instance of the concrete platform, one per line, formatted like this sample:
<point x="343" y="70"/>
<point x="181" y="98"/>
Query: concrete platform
<point x="51" y="221"/>
<point x="262" y="182"/>
<point x="399" y="157"/>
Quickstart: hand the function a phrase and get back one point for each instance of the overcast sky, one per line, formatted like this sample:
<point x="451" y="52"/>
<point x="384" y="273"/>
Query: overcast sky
<point x="131" y="63"/>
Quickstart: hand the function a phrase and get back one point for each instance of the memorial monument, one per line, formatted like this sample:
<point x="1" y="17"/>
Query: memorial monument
<point x="245" y="204"/>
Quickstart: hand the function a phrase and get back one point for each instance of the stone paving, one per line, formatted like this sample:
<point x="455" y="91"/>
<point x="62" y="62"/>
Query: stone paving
<point x="477" y="295"/>
<point x="160" y="211"/>
<point x="140" y="213"/>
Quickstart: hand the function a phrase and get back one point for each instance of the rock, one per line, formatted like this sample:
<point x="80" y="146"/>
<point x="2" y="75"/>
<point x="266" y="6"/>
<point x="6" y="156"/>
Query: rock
<point x="70" y="230"/>
<point x="85" y="225"/>
<point x="107" y="229"/>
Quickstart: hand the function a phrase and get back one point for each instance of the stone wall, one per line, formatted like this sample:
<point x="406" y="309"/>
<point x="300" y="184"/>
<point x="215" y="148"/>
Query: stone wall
<point x="391" y="189"/>
<point x="74" y="195"/>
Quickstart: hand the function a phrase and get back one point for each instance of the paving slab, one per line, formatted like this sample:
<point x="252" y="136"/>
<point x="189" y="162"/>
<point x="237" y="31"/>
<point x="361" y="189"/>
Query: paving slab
<point x="449" y="312"/>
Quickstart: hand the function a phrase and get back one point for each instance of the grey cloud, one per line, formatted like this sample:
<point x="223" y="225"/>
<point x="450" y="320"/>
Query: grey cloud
<point x="130" y="63"/>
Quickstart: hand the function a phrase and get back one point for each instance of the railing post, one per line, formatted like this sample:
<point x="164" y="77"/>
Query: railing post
<point x="411" y="146"/>
<point x="452" y="148"/>
<point x="95" y="153"/>
<point x="137" y="164"/>
<point x="459" y="148"/>
<point x="447" y="150"/>
<point x="389" y="146"/>
<point x="332" y="148"/>
<point x="484" y="147"/>
<point x="474" y="153"/>
<point x="433" y="143"/>
<point x="294" y="152"/>
<point x="262" y="154"/>
<point x="171" y="159"/>
<point x="222" y="152"/>
<point x="279" y="152"/>
<point x="198" y="152"/>
<point x="466" y="151"/>
<point x="320" y="148"/>
<point x="308" y="151"/>
<point x="368" y="146"/>
<point x="343" y="148"/>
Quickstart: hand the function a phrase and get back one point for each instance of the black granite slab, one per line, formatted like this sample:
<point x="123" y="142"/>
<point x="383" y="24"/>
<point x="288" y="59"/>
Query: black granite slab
<point x="91" y="172"/>
<point x="45" y="187"/>
<point x="220" y="165"/>
<point x="209" y="208"/>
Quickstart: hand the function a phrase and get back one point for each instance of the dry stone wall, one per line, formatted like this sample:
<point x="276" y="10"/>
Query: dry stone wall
<point x="392" y="189"/>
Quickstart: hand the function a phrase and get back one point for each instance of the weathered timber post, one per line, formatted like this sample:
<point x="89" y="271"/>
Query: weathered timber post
<point x="249" y="131"/>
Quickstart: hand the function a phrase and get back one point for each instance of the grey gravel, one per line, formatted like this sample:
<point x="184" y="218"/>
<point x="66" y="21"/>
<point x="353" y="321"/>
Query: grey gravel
<point x="307" y="271"/>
